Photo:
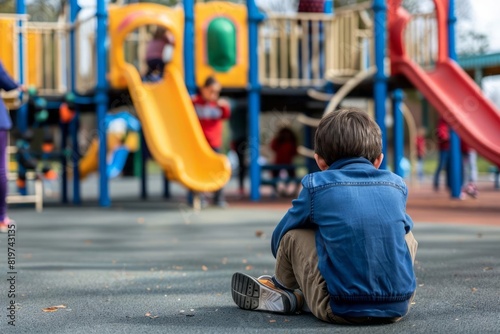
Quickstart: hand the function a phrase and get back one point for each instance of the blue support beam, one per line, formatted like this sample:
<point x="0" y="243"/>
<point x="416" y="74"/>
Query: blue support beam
<point x="328" y="7"/>
<point x="74" y="124"/>
<point x="22" y="113"/>
<point x="254" y="18"/>
<point x="398" y="130"/>
<point x="189" y="48"/>
<point x="455" y="151"/>
<point x="380" y="86"/>
<point x="144" y="175"/>
<point x="101" y="100"/>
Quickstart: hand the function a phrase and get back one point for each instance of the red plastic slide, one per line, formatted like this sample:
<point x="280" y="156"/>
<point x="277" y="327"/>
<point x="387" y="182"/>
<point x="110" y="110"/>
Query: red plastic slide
<point x="447" y="87"/>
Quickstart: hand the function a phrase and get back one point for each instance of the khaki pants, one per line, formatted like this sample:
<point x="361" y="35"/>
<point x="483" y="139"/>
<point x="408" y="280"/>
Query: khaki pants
<point x="297" y="268"/>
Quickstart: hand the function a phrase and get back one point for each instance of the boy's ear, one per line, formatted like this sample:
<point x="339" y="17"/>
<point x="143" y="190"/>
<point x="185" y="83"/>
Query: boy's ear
<point x="321" y="162"/>
<point x="378" y="161"/>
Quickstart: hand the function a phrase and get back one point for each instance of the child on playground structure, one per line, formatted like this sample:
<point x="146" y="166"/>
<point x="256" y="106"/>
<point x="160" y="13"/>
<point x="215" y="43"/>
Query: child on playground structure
<point x="469" y="161"/>
<point x="345" y="250"/>
<point x="284" y="146"/>
<point x="421" y="150"/>
<point x="443" y="143"/>
<point x="159" y="52"/>
<point x="211" y="111"/>
<point x="6" y="83"/>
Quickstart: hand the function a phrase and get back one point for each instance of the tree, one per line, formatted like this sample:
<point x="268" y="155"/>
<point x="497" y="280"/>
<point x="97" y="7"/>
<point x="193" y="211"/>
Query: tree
<point x="7" y="6"/>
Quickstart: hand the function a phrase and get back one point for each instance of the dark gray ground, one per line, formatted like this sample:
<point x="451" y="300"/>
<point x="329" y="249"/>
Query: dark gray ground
<point x="111" y="267"/>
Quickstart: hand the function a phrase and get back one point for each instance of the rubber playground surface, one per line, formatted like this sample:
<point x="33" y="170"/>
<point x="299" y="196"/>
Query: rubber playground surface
<point x="159" y="267"/>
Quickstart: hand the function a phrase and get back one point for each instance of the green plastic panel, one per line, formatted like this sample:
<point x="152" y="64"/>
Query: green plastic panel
<point x="221" y="44"/>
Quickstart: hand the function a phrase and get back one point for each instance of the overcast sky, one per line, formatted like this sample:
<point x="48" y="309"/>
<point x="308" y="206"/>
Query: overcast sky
<point x="486" y="19"/>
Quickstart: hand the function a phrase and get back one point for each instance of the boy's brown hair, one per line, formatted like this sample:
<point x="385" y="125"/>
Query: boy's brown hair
<point x="348" y="133"/>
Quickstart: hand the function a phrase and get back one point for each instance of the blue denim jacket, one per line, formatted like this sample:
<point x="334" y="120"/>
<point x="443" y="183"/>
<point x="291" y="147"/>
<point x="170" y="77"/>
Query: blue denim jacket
<point x="6" y="83"/>
<point x="359" y="214"/>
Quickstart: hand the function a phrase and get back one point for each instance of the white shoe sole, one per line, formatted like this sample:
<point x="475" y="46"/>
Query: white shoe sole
<point x="249" y="294"/>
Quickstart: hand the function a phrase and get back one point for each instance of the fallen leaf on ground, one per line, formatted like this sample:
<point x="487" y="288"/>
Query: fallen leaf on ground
<point x="248" y="267"/>
<point x="53" y="308"/>
<point x="204" y="268"/>
<point x="150" y="316"/>
<point x="259" y="233"/>
<point x="487" y="268"/>
<point x="473" y="289"/>
<point x="272" y="320"/>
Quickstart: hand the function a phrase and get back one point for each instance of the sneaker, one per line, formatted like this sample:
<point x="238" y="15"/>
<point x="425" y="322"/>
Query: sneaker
<point x="298" y="294"/>
<point x="471" y="190"/>
<point x="4" y="226"/>
<point x="261" y="294"/>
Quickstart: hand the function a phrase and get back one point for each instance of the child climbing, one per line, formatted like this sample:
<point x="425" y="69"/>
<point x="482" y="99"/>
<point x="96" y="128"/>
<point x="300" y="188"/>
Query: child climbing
<point x="159" y="52"/>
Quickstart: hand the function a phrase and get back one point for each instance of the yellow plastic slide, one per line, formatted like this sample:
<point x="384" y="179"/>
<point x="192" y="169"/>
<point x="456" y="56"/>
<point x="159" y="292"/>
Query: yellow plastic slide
<point x="173" y="132"/>
<point x="90" y="161"/>
<point x="168" y="118"/>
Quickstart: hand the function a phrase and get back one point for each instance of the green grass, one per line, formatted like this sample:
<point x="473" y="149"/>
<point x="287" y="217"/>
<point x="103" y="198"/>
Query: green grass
<point x="431" y="162"/>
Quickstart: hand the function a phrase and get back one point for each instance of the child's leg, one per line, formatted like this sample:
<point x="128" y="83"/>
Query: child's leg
<point x="297" y="268"/>
<point x="3" y="174"/>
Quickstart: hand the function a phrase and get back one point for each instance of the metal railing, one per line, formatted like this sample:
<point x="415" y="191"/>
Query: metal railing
<point x="45" y="58"/>
<point x="135" y="48"/>
<point x="85" y="54"/>
<point x="300" y="50"/>
<point x="421" y="39"/>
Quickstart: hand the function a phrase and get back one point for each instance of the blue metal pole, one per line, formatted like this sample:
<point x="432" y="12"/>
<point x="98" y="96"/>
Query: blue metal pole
<point x="73" y="126"/>
<point x="144" y="175"/>
<point x="254" y="17"/>
<point x="398" y="127"/>
<point x="328" y="7"/>
<point x="101" y="100"/>
<point x="380" y="85"/>
<point x="189" y="46"/>
<point x="22" y="113"/>
<point x="455" y="168"/>
<point x="328" y="88"/>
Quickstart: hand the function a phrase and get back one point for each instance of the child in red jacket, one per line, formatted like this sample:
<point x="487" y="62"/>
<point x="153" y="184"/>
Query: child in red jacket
<point x="443" y="141"/>
<point x="211" y="111"/>
<point x="421" y="150"/>
<point x="284" y="145"/>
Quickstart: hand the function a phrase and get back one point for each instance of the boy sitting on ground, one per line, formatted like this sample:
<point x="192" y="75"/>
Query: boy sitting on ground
<point x="344" y="250"/>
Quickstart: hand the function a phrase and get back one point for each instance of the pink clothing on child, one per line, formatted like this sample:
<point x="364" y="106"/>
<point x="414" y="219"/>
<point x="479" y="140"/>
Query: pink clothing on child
<point x="154" y="49"/>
